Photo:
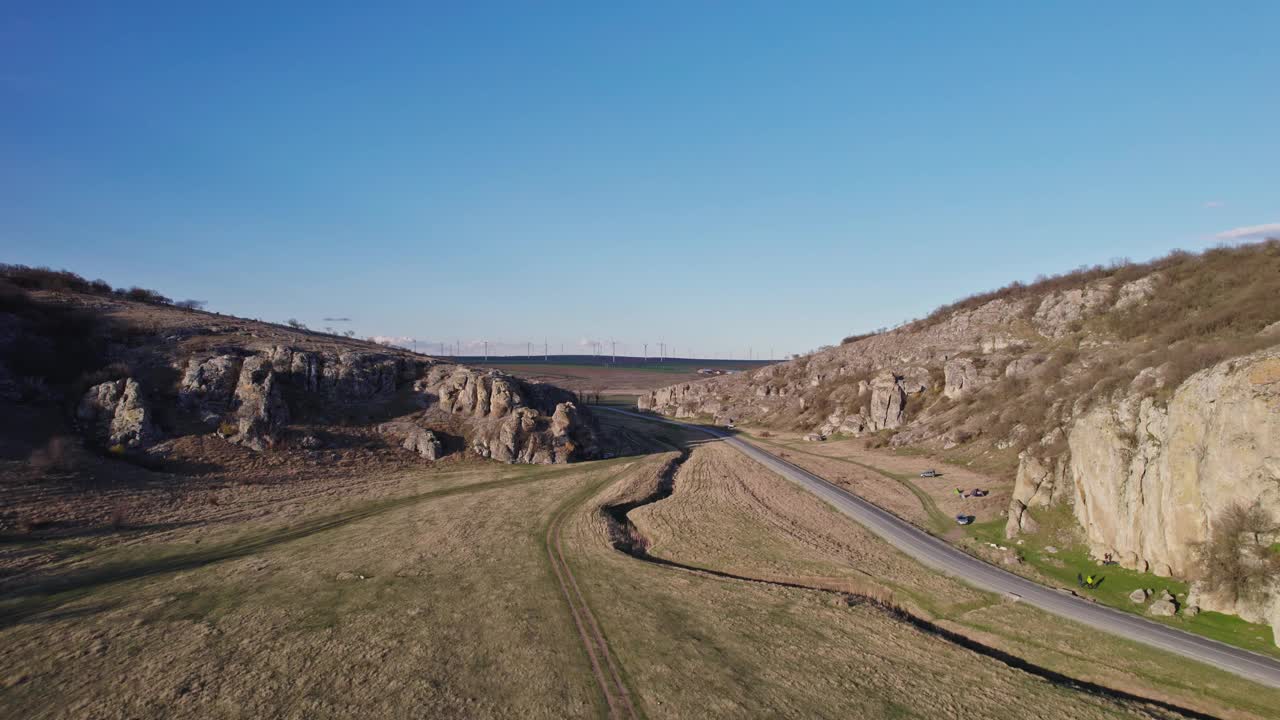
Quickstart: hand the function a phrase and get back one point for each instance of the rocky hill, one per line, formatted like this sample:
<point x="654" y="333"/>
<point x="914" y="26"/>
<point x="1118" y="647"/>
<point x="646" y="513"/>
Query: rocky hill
<point x="137" y="377"/>
<point x="1145" y="396"/>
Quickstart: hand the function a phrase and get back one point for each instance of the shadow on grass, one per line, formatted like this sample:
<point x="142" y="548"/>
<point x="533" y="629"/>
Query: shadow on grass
<point x="44" y="594"/>
<point x="627" y="539"/>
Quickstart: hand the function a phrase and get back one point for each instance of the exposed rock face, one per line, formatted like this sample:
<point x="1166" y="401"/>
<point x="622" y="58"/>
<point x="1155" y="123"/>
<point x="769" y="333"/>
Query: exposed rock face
<point x="961" y="377"/>
<point x="469" y="392"/>
<point x="261" y="410"/>
<point x="887" y="401"/>
<point x="414" y="438"/>
<point x="1022" y="366"/>
<point x="1149" y="480"/>
<point x="1040" y="482"/>
<point x="347" y="378"/>
<point x="1020" y="520"/>
<point x="1136" y="292"/>
<point x="1059" y="310"/>
<point x="505" y="418"/>
<point x="117" y="415"/>
<point x="208" y="385"/>
<point x="1146" y="455"/>
<point x="510" y="420"/>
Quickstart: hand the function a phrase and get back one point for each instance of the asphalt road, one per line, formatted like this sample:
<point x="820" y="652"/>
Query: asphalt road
<point x="941" y="556"/>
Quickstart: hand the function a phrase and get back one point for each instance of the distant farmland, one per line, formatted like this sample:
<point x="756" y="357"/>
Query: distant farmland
<point x="626" y="376"/>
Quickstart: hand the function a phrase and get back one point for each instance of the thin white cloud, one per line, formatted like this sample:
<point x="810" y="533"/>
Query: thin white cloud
<point x="1252" y="231"/>
<point x="396" y="340"/>
<point x="1215" y="204"/>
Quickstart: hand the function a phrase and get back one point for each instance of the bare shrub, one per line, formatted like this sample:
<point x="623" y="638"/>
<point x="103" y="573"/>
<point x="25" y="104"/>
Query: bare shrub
<point x="119" y="516"/>
<point x="1237" y="560"/>
<point x="144" y="295"/>
<point x="856" y="337"/>
<point x="55" y="456"/>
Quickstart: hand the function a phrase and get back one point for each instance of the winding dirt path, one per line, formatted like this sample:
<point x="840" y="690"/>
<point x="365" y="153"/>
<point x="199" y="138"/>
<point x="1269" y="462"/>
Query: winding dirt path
<point x="603" y="667"/>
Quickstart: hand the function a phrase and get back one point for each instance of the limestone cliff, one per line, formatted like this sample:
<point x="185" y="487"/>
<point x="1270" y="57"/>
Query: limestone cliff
<point x="1147" y="397"/>
<point x="1149" y="479"/>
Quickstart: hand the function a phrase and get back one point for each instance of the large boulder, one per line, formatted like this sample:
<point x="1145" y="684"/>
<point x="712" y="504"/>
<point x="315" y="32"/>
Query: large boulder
<point x="117" y="415"/>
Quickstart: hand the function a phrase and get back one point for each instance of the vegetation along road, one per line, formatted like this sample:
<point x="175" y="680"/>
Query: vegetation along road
<point x="937" y="554"/>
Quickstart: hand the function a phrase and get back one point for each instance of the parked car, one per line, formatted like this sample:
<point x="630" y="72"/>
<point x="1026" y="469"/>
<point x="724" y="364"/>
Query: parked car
<point x="964" y="519"/>
<point x="929" y="473"/>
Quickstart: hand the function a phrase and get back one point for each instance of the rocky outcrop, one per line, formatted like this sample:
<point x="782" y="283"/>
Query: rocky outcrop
<point x="1040" y="482"/>
<point x="414" y="438"/>
<point x="261" y="412"/>
<point x="1136" y="292"/>
<point x="504" y="418"/>
<point x="1022" y="366"/>
<point x="344" y="378"/>
<point x="962" y="377"/>
<point x="116" y="414"/>
<point x="888" y="400"/>
<point x="524" y="436"/>
<point x="1059" y="311"/>
<point x="208" y="385"/>
<point x="465" y="391"/>
<point x="1149" y="480"/>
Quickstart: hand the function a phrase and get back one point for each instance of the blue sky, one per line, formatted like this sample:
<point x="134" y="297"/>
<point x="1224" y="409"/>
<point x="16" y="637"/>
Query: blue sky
<point x="716" y="175"/>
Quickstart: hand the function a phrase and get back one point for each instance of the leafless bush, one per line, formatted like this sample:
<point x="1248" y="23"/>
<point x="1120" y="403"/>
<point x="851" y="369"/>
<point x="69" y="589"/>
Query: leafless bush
<point x="1237" y="560"/>
<point x="55" y="456"/>
<point x="119" y="516"/>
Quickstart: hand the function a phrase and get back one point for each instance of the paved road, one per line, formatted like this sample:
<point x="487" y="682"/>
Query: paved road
<point x="939" y="555"/>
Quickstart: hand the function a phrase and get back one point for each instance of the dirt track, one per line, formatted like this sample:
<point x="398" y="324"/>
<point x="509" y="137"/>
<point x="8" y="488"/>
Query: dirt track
<point x="603" y="666"/>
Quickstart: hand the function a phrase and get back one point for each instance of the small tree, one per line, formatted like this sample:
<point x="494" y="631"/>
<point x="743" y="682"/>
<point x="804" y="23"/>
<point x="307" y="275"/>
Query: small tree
<point x="1238" y="560"/>
<point x="293" y="323"/>
<point x="191" y="304"/>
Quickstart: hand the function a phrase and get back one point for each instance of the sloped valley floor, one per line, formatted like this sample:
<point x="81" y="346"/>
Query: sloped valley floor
<point x="474" y="589"/>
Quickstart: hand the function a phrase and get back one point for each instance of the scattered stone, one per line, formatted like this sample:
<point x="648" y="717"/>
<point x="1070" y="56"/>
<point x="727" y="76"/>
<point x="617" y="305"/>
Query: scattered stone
<point x="1138" y="596"/>
<point x="1163" y="608"/>
<point x="813" y="437"/>
<point x="346" y="576"/>
<point x="1166" y="596"/>
<point x="1191" y="611"/>
<point x="1051" y="549"/>
<point x="844" y="600"/>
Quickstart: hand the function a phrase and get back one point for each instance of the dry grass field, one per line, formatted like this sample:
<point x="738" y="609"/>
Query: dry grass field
<point x="481" y="590"/>
<point x="626" y="379"/>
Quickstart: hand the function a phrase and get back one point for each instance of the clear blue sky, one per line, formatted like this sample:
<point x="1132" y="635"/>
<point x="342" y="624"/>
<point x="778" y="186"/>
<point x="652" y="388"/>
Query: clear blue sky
<point x="718" y="175"/>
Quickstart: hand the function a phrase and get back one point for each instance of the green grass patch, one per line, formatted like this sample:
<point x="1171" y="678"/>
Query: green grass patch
<point x="1072" y="559"/>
